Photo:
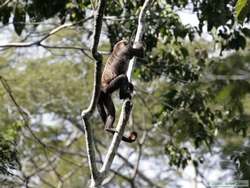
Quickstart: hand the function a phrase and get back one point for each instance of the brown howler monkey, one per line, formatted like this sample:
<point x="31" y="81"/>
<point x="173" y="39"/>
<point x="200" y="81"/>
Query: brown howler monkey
<point x="113" y="78"/>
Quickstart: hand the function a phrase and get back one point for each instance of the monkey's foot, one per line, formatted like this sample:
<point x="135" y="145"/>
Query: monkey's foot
<point x="131" y="138"/>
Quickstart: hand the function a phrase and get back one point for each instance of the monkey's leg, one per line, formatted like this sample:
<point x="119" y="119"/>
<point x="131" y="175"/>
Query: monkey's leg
<point x="100" y="107"/>
<point x="110" y="113"/>
<point x="111" y="118"/>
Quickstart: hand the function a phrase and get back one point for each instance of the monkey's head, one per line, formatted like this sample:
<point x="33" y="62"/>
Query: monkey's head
<point x="125" y="49"/>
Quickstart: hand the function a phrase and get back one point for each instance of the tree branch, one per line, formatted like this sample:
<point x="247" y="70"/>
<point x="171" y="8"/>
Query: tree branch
<point x="95" y="174"/>
<point x="5" y="3"/>
<point x="39" y="41"/>
<point x="97" y="177"/>
<point x="127" y="105"/>
<point x="98" y="57"/>
<point x="139" y="33"/>
<point x="141" y="174"/>
<point x="126" y="109"/>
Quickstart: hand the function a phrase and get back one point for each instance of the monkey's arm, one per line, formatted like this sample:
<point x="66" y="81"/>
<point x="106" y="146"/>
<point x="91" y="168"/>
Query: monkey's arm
<point x="120" y="82"/>
<point x="138" y="50"/>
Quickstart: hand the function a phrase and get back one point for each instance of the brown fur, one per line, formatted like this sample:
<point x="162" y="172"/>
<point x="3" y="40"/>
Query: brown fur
<point x="117" y="62"/>
<point x="113" y="78"/>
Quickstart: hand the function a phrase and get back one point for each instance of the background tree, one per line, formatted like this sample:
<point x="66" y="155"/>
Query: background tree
<point x="190" y="103"/>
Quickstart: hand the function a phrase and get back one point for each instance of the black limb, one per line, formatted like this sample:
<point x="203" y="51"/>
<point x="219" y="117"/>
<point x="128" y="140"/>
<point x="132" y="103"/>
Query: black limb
<point x="101" y="108"/>
<point x="138" y="51"/>
<point x="131" y="138"/>
<point x="131" y="87"/>
<point x="110" y="112"/>
<point x="106" y="106"/>
<point x="116" y="83"/>
<point x="120" y="82"/>
<point x="126" y="90"/>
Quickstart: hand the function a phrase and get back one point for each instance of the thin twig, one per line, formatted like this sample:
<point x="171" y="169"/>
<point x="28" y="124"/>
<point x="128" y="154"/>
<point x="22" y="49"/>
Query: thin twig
<point x="39" y="41"/>
<point x="143" y="176"/>
<point x="5" y="3"/>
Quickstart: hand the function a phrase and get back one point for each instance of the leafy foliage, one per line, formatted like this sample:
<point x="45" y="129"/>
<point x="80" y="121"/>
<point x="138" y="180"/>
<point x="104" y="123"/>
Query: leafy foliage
<point x="38" y="11"/>
<point x="8" y="143"/>
<point x="187" y="98"/>
<point x="241" y="9"/>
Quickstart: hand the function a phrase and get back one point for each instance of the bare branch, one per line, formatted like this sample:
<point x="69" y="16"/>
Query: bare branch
<point x="39" y="41"/>
<point x="34" y="43"/>
<point x="83" y="50"/>
<point x="95" y="175"/>
<point x="115" y="18"/>
<point x="143" y="176"/>
<point x="139" y="33"/>
<point x="5" y="3"/>
<point x="98" y="57"/>
<point x="127" y="106"/>
<point x="140" y="144"/>
<point x="126" y="109"/>
<point x="23" y="113"/>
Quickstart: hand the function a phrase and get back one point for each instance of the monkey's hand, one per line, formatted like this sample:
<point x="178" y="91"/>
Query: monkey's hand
<point x="125" y="92"/>
<point x="130" y="88"/>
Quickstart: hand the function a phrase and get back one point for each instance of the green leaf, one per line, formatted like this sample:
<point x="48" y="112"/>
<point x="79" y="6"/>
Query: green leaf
<point x="241" y="9"/>
<point x="19" y="20"/>
<point x="224" y="95"/>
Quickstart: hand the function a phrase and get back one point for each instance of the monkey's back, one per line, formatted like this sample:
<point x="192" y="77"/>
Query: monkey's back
<point x="116" y="65"/>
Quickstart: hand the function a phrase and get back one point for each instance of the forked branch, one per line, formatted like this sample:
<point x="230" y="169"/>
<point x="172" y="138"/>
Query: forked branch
<point x="139" y="32"/>
<point x="97" y="177"/>
<point x="127" y="105"/>
<point x="95" y="174"/>
<point x="39" y="42"/>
